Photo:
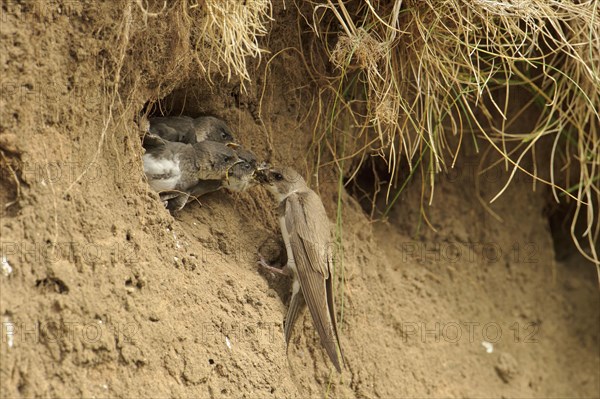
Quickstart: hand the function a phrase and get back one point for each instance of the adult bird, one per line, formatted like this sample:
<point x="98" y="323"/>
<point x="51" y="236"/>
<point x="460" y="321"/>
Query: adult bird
<point x="305" y="230"/>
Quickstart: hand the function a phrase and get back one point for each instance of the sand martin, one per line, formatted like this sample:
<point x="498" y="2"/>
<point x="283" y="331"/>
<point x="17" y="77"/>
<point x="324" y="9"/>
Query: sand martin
<point x="173" y="168"/>
<point x="185" y="129"/>
<point x="239" y="178"/>
<point x="242" y="175"/>
<point x="305" y="230"/>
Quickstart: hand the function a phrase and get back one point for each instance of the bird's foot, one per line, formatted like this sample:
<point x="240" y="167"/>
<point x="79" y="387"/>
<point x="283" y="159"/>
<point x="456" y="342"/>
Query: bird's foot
<point x="195" y="199"/>
<point x="284" y="271"/>
<point x="177" y="203"/>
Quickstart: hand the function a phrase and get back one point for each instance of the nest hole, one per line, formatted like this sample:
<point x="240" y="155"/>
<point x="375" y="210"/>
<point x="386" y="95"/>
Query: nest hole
<point x="52" y="284"/>
<point x="560" y="219"/>
<point x="370" y="184"/>
<point x="193" y="98"/>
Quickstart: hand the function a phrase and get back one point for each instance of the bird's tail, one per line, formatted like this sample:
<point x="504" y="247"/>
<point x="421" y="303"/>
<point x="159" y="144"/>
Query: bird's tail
<point x="323" y="315"/>
<point x="296" y="304"/>
<point x="334" y="327"/>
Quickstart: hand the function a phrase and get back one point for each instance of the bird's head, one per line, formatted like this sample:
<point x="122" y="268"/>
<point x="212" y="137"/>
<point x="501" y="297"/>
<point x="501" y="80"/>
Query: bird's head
<point x="215" y="129"/>
<point x="281" y="182"/>
<point x="248" y="156"/>
<point x="247" y="172"/>
<point x="216" y="159"/>
<point x="240" y="176"/>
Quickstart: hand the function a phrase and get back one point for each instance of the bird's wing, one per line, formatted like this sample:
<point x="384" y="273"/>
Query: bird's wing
<point x="165" y="131"/>
<point x="172" y="134"/>
<point x="174" y="128"/>
<point x="309" y="221"/>
<point x="308" y="228"/>
<point x="176" y="122"/>
<point x="204" y="187"/>
<point x="331" y="305"/>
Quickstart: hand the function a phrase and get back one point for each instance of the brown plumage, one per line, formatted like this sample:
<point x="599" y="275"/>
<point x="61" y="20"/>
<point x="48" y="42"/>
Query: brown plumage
<point x="239" y="178"/>
<point x="185" y="129"/>
<point x="305" y="230"/>
<point x="173" y="169"/>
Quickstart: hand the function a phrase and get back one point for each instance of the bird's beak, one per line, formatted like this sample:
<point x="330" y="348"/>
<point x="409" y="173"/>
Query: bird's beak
<point x="235" y="163"/>
<point x="264" y="166"/>
<point x="260" y="176"/>
<point x="229" y="168"/>
<point x="227" y="175"/>
<point x="233" y="145"/>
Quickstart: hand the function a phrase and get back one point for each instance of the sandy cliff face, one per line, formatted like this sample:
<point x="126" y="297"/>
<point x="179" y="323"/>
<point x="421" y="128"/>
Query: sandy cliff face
<point x="105" y="294"/>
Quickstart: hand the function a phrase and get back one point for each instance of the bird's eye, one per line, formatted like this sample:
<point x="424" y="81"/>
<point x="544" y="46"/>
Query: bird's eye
<point x="227" y="158"/>
<point x="278" y="176"/>
<point x="224" y="135"/>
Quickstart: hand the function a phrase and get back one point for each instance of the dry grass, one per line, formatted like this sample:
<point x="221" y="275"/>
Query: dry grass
<point x="229" y="35"/>
<point x="162" y="44"/>
<point x="414" y="80"/>
<point x="419" y="72"/>
<point x="218" y="37"/>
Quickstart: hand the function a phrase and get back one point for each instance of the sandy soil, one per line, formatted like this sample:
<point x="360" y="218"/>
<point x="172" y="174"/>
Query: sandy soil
<point x="108" y="295"/>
